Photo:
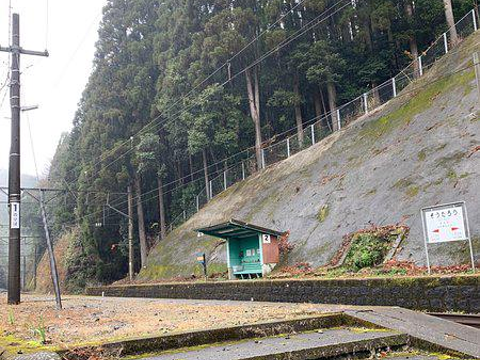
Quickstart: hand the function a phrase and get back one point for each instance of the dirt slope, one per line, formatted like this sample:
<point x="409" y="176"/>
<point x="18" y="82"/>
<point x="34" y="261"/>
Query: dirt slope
<point x="416" y="151"/>
<point x="44" y="279"/>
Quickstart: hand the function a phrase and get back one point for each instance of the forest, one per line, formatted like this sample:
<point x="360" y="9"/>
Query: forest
<point x="179" y="88"/>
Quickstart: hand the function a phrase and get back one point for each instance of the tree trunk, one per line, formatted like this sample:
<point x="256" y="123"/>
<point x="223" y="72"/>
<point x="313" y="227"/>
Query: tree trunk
<point x="141" y="222"/>
<point x="205" y="170"/>
<point x="191" y="167"/>
<point x="161" y="210"/>
<point x="254" y="102"/>
<point x="332" y="101"/>
<point x="298" y="109"/>
<point x="376" y="96"/>
<point x="451" y="21"/>
<point x="414" y="52"/>
<point x="413" y="42"/>
<point x="317" y="102"/>
<point x="324" y="108"/>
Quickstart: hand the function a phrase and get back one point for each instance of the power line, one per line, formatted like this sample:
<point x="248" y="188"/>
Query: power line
<point x="301" y="31"/>
<point x="405" y="93"/>
<point x="310" y="25"/>
<point x="110" y="152"/>
<point x="316" y="21"/>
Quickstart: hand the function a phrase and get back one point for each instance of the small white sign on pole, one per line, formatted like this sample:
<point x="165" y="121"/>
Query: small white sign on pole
<point x="15" y="215"/>
<point x="446" y="223"/>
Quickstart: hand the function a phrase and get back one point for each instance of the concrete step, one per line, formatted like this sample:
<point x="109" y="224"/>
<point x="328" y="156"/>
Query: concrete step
<point x="312" y="345"/>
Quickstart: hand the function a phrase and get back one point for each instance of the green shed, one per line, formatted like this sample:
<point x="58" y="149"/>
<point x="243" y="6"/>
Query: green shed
<point x="252" y="251"/>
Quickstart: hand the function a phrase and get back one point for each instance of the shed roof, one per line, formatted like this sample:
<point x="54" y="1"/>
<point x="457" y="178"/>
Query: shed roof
<point x="237" y="229"/>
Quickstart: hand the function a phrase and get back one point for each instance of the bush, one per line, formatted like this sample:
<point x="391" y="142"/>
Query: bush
<point x="367" y="250"/>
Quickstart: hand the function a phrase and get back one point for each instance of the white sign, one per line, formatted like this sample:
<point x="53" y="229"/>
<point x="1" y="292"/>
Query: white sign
<point x="445" y="225"/>
<point x="15" y="215"/>
<point x="266" y="239"/>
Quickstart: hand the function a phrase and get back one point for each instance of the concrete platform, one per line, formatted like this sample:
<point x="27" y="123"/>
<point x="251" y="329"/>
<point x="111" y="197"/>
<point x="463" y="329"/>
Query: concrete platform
<point x="442" y="333"/>
<point x="302" y="346"/>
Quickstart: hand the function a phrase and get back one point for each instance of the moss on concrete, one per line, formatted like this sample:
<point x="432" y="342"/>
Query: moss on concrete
<point x="323" y="213"/>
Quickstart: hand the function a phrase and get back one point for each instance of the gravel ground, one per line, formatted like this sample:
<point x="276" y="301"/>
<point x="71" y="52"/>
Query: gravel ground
<point x="95" y="319"/>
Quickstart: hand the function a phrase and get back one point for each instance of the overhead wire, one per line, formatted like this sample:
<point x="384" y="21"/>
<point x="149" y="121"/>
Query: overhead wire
<point x="287" y="41"/>
<point x="111" y="152"/>
<point x="300" y="31"/>
<point x="316" y="21"/>
<point x="403" y="94"/>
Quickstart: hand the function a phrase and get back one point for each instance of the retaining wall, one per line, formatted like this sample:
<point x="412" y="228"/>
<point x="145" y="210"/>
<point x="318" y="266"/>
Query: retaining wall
<point x="436" y="294"/>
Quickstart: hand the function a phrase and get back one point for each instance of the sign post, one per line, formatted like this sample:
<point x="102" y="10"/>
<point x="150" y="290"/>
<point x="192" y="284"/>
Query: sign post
<point x="202" y="259"/>
<point x="446" y="223"/>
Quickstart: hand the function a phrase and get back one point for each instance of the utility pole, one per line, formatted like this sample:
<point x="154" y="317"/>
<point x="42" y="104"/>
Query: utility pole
<point x="130" y="233"/>
<point x="129" y="216"/>
<point x="14" y="194"/>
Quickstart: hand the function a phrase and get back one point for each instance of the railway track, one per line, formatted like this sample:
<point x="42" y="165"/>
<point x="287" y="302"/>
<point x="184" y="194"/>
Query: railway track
<point x="464" y="319"/>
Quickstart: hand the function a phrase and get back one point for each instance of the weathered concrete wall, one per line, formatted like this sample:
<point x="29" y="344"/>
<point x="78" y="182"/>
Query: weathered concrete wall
<point x="440" y="294"/>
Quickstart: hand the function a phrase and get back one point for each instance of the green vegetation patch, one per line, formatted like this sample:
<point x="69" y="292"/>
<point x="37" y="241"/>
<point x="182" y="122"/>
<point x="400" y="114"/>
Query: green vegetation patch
<point x="323" y="213"/>
<point x="367" y="250"/>
<point x="421" y="101"/>
<point x="369" y="247"/>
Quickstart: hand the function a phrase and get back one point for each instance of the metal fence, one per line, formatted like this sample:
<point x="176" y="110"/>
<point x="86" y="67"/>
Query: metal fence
<point x="318" y="128"/>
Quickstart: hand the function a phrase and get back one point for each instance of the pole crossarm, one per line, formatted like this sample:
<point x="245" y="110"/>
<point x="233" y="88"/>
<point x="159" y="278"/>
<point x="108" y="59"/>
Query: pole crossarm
<point x="19" y="50"/>
<point x="118" y="211"/>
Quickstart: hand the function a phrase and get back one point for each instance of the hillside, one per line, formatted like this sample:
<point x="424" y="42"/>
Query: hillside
<point x="415" y="152"/>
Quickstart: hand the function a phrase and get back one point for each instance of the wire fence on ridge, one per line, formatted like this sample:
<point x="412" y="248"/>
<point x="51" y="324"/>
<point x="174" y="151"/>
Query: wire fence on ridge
<point x="318" y="128"/>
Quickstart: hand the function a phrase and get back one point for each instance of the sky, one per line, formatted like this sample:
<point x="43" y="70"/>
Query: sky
<point x="55" y="84"/>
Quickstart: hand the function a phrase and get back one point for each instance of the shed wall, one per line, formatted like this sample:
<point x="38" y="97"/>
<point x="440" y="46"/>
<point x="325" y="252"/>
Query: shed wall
<point x="271" y="253"/>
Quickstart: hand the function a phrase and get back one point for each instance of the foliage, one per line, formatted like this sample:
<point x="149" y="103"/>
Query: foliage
<point x="40" y="330"/>
<point x="11" y="317"/>
<point x="368" y="247"/>
<point x="367" y="250"/>
<point x="284" y="245"/>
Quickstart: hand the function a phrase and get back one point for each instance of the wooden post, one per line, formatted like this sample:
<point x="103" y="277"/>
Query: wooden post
<point x="131" y="254"/>
<point x="24" y="272"/>
<point x="476" y="62"/>
<point x="35" y="267"/>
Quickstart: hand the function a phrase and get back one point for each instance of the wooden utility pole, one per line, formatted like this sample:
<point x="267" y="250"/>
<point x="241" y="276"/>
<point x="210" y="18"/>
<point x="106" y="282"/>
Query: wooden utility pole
<point x="130" y="234"/>
<point x="14" y="194"/>
<point x="51" y="255"/>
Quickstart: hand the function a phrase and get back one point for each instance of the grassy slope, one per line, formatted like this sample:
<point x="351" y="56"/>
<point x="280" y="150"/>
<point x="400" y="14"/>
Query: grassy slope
<point x="381" y="169"/>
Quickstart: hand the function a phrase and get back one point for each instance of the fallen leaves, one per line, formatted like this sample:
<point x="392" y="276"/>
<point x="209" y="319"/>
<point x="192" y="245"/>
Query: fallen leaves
<point x="473" y="151"/>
